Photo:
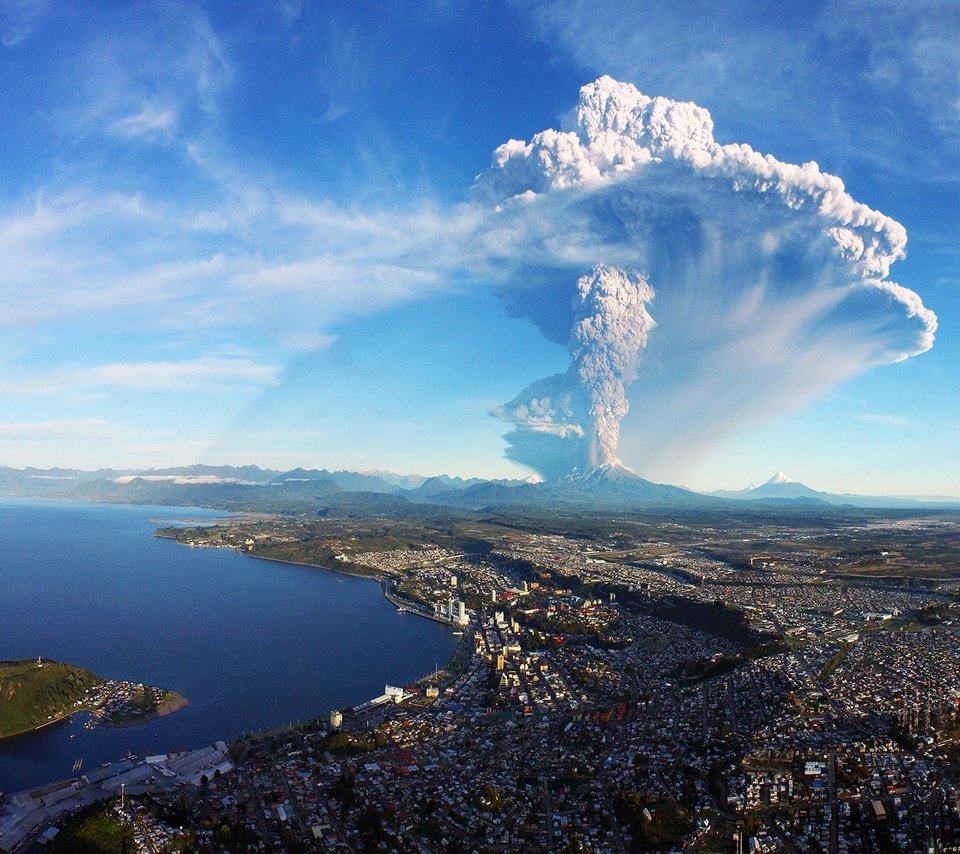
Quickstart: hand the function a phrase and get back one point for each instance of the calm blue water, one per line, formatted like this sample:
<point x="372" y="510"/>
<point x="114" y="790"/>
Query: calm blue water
<point x="251" y="644"/>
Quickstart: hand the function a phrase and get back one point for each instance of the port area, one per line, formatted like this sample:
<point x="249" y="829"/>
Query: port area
<point x="447" y="615"/>
<point x="24" y="815"/>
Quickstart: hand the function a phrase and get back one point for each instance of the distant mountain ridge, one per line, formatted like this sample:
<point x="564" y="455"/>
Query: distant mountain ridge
<point x="324" y="492"/>
<point x="247" y="487"/>
<point x="781" y="488"/>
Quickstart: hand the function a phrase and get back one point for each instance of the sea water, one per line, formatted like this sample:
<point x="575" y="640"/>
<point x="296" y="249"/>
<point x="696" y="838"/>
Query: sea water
<point x="251" y="644"/>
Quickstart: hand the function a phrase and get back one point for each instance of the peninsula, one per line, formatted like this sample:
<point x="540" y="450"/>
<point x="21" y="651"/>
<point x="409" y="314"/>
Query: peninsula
<point x="38" y="692"/>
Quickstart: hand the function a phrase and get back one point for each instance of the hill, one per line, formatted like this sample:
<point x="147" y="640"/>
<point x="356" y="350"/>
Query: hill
<point x="36" y="692"/>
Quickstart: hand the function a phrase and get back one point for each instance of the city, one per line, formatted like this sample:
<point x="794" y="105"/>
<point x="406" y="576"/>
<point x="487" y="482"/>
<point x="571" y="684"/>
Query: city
<point x="733" y="683"/>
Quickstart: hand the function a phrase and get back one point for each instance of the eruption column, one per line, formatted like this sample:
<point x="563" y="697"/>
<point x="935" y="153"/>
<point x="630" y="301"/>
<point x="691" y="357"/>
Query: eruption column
<point x="611" y="329"/>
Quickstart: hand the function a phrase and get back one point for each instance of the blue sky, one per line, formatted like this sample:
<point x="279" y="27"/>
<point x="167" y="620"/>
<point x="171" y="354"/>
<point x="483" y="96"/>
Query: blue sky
<point x="251" y="238"/>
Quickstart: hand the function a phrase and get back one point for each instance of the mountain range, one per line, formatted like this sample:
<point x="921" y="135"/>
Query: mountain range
<point x="351" y="493"/>
<point x="781" y="488"/>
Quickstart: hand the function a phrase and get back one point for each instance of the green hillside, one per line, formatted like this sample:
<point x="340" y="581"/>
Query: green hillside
<point x="96" y="830"/>
<point x="32" y="695"/>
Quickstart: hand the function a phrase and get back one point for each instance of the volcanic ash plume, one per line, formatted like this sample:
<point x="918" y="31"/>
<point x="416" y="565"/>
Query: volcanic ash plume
<point x="771" y="282"/>
<point x="585" y="405"/>
<point x="610" y="331"/>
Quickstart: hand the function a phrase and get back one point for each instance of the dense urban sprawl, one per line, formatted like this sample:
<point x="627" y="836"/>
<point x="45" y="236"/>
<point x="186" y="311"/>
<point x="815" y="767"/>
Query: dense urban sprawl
<point x="609" y="695"/>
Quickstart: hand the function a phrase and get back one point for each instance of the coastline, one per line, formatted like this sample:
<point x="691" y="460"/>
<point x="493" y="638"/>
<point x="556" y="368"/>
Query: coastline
<point x="109" y="703"/>
<point x="372" y="576"/>
<point x="174" y="704"/>
<point x="460" y="654"/>
<point x="21" y="744"/>
<point x="55" y="720"/>
<point x="402" y="606"/>
<point x="170" y="707"/>
<point x="418" y="609"/>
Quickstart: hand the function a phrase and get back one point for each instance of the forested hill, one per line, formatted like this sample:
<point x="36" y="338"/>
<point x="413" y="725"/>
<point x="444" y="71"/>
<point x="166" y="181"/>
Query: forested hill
<point x="33" y="693"/>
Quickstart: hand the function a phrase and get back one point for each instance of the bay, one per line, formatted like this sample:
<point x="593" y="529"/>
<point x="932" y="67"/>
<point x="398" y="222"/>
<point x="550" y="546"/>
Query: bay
<point x="252" y="644"/>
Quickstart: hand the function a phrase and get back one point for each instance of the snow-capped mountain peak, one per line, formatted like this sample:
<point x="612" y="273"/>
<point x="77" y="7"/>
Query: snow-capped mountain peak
<point x="779" y="477"/>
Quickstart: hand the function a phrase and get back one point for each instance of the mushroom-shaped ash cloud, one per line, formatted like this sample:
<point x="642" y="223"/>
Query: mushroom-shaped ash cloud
<point x="697" y="286"/>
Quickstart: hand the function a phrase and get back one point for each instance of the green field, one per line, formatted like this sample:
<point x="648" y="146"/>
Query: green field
<point x="32" y="695"/>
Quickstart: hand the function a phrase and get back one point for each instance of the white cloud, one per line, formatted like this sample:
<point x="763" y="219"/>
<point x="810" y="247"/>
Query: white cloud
<point x="152" y="120"/>
<point x="862" y="80"/>
<point x="209" y="373"/>
<point x="146" y="71"/>
<point x="628" y="177"/>
<point x="19" y="19"/>
<point x="65" y="430"/>
<point x="896" y="421"/>
<point x="309" y="342"/>
<point x="83" y="254"/>
<point x="222" y="253"/>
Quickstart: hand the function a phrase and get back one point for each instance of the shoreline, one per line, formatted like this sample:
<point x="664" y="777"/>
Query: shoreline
<point x="107" y="702"/>
<point x="43" y="731"/>
<point x="169" y="707"/>
<point x="450" y="667"/>
<point x="418" y="609"/>
<point x="58" y="719"/>
<point x="101" y="723"/>
<point x="375" y="576"/>
<point x="451" y="664"/>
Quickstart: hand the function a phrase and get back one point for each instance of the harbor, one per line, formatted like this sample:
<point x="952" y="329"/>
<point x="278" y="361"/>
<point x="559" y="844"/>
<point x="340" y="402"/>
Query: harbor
<point x="451" y="613"/>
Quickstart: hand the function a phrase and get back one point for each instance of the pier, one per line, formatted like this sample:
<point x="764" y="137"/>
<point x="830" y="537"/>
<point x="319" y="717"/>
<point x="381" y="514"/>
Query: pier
<point x="414" y="607"/>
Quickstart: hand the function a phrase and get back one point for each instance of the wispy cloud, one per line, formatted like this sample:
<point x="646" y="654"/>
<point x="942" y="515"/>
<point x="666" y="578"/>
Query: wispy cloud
<point x="912" y="49"/>
<point x="19" y="19"/>
<point x="897" y="56"/>
<point x="309" y="342"/>
<point x="209" y="373"/>
<point x="65" y="430"/>
<point x="152" y="120"/>
<point x="169" y="220"/>
<point x="145" y="72"/>
<point x="901" y="422"/>
<point x="83" y="252"/>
